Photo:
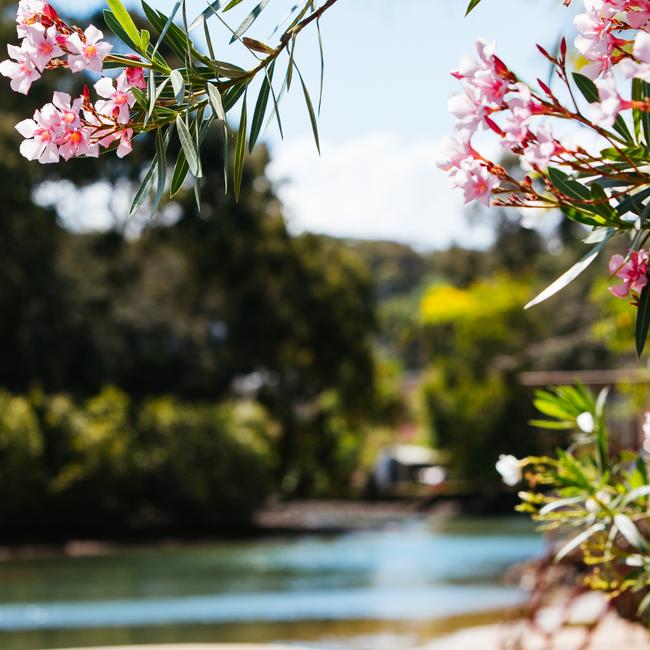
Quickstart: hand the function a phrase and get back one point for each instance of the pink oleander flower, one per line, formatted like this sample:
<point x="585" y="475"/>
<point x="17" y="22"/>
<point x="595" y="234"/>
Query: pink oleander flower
<point x="605" y="112"/>
<point x="88" y="55"/>
<point x="21" y="69"/>
<point x="454" y="153"/>
<point x="633" y="272"/>
<point x="485" y="75"/>
<point x="69" y="109"/>
<point x="125" y="147"/>
<point x="515" y="124"/>
<point x="118" y="98"/>
<point x="76" y="141"/>
<point x="469" y="112"/>
<point x="42" y="45"/>
<point x="641" y="66"/>
<point x="476" y="182"/>
<point x="41" y="135"/>
<point x="541" y="148"/>
<point x="125" y="137"/>
<point x="596" y="40"/>
<point x="28" y="14"/>
<point x="485" y="83"/>
<point x="135" y="77"/>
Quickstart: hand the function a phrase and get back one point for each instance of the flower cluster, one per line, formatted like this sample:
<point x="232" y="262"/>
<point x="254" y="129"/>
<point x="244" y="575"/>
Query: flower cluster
<point x="45" y="42"/>
<point x="66" y="127"/>
<point x="605" y="185"/>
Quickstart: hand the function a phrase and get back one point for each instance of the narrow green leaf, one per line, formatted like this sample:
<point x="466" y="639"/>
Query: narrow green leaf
<point x="126" y="22"/>
<point x="579" y="539"/>
<point x="226" y="133"/>
<point x="174" y="37"/>
<point x="240" y="149"/>
<point x="161" y="155"/>
<point x="164" y="30"/>
<point x="145" y="39"/>
<point x="291" y="63"/>
<point x="187" y="143"/>
<point x="322" y="65"/>
<point x="178" y="84"/>
<point x="249" y="20"/>
<point x="113" y="24"/>
<point x="182" y="168"/>
<point x="590" y="92"/>
<point x="587" y="87"/>
<point x="643" y="320"/>
<point x="472" y="5"/>
<point x="567" y="185"/>
<point x="145" y="186"/>
<point x="260" y="106"/>
<point x="212" y="8"/>
<point x="231" y="4"/>
<point x="214" y="97"/>
<point x="571" y="274"/>
<point x="310" y="108"/>
<point x="631" y="533"/>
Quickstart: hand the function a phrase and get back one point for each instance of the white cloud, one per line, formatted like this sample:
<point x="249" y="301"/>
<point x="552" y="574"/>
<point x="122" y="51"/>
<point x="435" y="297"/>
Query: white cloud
<point x="377" y="186"/>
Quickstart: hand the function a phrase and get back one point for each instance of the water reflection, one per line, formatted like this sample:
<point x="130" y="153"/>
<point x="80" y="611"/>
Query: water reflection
<point x="264" y="589"/>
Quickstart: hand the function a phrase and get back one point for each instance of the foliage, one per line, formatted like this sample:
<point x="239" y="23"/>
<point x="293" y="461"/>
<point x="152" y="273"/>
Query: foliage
<point x="596" y="499"/>
<point x="601" y="185"/>
<point x="595" y="496"/>
<point x="169" y="87"/>
<point x="108" y="463"/>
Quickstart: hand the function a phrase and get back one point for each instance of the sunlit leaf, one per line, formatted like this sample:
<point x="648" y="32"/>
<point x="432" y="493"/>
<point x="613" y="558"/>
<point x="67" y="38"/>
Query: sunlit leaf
<point x="240" y="150"/>
<point x="571" y="274"/>
<point x="187" y="143"/>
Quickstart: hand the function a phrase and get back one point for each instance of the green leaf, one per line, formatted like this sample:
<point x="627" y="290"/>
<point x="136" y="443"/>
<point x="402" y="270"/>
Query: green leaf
<point x="214" y="97"/>
<point x="145" y="186"/>
<point x="633" y="203"/>
<point x="126" y="22"/>
<point x="567" y="185"/>
<point x="145" y="39"/>
<point x="187" y="143"/>
<point x="161" y="155"/>
<point x="226" y="133"/>
<point x="178" y="84"/>
<point x="571" y="274"/>
<point x="212" y="8"/>
<point x="260" y="107"/>
<point x="601" y="204"/>
<point x="631" y="533"/>
<point x="182" y="168"/>
<point x="232" y="95"/>
<point x="587" y="87"/>
<point x="113" y="24"/>
<point x="643" y="319"/>
<point x="231" y="4"/>
<point x="240" y="149"/>
<point x="472" y="5"/>
<point x="174" y="37"/>
<point x="310" y="108"/>
<point x="590" y="92"/>
<point x="170" y="20"/>
<point x="249" y="20"/>
<point x="578" y="540"/>
<point x="322" y="65"/>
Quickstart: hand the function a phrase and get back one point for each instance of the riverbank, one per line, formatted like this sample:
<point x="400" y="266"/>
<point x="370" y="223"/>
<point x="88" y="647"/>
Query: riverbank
<point x="276" y="519"/>
<point x="612" y="632"/>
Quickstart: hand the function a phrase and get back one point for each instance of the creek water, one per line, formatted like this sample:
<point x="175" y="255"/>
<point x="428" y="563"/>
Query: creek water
<point x="390" y="588"/>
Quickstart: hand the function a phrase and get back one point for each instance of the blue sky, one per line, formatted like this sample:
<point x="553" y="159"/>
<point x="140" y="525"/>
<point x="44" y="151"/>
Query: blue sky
<point x="385" y="110"/>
